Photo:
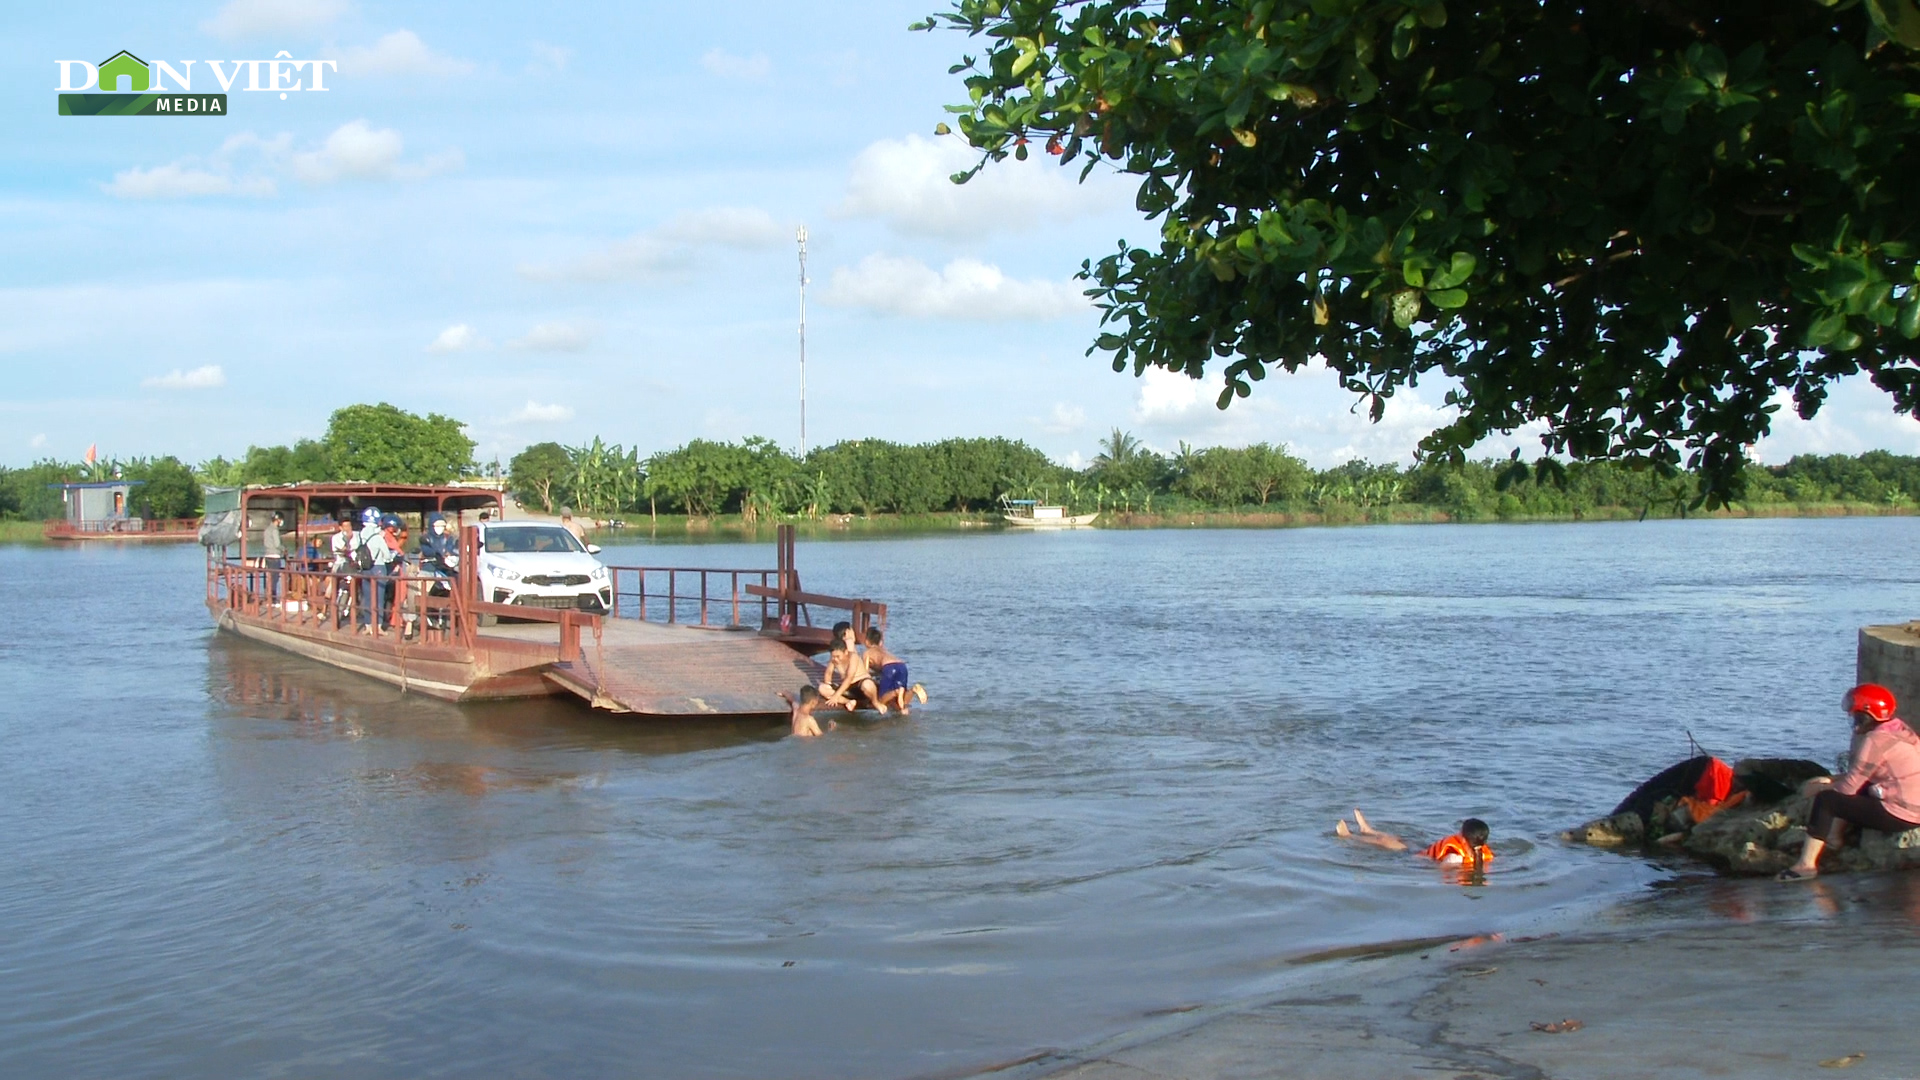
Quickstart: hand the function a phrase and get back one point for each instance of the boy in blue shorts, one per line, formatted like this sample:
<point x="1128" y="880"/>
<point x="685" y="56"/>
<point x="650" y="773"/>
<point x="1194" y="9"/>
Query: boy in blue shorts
<point x="890" y="674"/>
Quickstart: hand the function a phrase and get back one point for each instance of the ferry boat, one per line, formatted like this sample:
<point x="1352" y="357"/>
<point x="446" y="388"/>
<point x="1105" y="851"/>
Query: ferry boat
<point x="1032" y="514"/>
<point x="674" y="641"/>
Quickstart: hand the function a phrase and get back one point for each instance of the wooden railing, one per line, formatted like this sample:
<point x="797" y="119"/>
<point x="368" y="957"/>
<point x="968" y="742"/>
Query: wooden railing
<point x="770" y="601"/>
<point x="408" y="606"/>
<point x="694" y="595"/>
<point x="63" y="527"/>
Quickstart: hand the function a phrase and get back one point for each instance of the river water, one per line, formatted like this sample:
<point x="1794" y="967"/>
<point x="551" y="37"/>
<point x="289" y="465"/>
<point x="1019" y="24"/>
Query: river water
<point x="223" y="860"/>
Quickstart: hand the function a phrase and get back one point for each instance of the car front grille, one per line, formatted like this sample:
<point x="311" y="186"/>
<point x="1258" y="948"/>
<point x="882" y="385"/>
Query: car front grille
<point x="556" y="579"/>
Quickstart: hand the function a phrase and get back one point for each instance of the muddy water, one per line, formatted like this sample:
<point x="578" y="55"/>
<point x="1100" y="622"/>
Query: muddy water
<point x="219" y="859"/>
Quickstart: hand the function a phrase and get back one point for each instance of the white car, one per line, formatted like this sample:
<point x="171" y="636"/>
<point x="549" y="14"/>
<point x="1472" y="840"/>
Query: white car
<point x="539" y="565"/>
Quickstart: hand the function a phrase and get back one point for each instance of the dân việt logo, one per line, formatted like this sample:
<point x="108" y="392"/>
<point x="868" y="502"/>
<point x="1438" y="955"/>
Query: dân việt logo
<point x="125" y="85"/>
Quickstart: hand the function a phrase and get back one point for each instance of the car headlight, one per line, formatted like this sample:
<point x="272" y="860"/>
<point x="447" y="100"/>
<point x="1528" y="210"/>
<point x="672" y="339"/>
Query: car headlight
<point x="505" y="574"/>
<point x="599" y="573"/>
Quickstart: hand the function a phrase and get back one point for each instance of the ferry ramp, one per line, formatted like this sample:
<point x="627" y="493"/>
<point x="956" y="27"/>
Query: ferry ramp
<point x="656" y="669"/>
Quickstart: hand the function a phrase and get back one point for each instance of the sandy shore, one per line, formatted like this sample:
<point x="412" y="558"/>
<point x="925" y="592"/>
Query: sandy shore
<point x="1714" y="979"/>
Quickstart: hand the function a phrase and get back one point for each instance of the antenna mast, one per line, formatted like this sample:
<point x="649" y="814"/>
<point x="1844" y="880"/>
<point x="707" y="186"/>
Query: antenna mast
<point x="803" y="340"/>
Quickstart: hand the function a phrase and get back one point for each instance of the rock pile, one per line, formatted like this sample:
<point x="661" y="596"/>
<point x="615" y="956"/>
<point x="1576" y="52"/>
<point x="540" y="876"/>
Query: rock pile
<point x="1759" y="836"/>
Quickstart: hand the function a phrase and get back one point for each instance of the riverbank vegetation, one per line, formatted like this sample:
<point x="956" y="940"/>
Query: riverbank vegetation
<point x="871" y="484"/>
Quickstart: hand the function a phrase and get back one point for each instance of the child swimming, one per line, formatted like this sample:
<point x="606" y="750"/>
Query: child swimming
<point x="1469" y="845"/>
<point x="804" y="725"/>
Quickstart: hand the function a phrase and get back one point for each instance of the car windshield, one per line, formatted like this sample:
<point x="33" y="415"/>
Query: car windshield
<point x="532" y="538"/>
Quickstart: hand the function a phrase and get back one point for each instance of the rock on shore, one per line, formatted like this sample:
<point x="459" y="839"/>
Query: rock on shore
<point x="1762" y="838"/>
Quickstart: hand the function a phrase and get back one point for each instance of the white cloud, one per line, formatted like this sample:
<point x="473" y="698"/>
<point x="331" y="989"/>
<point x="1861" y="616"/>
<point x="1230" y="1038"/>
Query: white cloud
<point x="178" y="180"/>
<point x="400" y="53"/>
<point x="728" y="66"/>
<point x="38" y="441"/>
<point x="1065" y="419"/>
<point x="246" y="165"/>
<point x="963" y="289"/>
<point x="254" y="18"/>
<point x="458" y="338"/>
<point x="205" y="377"/>
<point x="907" y="182"/>
<point x="554" y="337"/>
<point x="668" y="251"/>
<point x="1307" y="411"/>
<point x="728" y="226"/>
<point x="549" y="57"/>
<point x="356" y="151"/>
<point x="1857" y="416"/>
<point x="535" y="413"/>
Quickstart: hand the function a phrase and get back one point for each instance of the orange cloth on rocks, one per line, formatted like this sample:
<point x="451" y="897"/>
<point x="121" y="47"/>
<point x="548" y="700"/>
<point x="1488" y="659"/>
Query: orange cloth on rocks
<point x="1715" y="781"/>
<point x="1456" y="847"/>
<point x="1710" y="792"/>
<point x="1700" y="809"/>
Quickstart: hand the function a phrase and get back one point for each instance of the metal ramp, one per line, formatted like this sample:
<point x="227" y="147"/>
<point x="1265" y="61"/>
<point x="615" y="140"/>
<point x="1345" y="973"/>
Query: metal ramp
<point x="667" y="670"/>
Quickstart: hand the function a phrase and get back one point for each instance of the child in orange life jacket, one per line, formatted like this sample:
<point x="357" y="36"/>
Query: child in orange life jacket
<point x="1468" y="846"/>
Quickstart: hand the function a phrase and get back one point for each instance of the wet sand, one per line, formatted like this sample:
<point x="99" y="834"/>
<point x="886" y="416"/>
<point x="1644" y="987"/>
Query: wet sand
<point x="1794" y="995"/>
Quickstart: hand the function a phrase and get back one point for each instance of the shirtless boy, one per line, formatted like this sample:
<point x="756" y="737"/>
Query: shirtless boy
<point x="890" y="674"/>
<point x="804" y="725"/>
<point x="847" y="680"/>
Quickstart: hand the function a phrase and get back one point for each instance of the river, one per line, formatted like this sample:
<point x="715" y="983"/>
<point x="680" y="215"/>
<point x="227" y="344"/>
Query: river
<point x="224" y="860"/>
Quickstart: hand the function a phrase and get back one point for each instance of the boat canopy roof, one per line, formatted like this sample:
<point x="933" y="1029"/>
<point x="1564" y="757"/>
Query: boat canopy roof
<point x="316" y="500"/>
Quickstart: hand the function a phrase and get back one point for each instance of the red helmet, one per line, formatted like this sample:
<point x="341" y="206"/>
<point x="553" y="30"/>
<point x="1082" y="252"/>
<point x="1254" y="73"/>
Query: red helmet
<point x="1870" y="698"/>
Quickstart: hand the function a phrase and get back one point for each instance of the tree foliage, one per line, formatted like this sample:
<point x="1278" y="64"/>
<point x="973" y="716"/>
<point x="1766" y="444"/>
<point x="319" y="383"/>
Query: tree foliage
<point x="538" y="475"/>
<point x="1637" y="223"/>
<point x="385" y="443"/>
<point x="168" y="488"/>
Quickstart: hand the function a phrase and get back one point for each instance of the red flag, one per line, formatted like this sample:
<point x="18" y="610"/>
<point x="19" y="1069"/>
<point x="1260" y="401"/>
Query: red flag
<point x="93" y="452"/>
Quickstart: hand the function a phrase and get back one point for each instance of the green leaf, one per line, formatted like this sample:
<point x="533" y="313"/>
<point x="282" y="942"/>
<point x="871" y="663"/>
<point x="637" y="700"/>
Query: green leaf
<point x="1824" y="329"/>
<point x="1458" y="270"/>
<point x="1910" y="316"/>
<point x="1411" y="273"/>
<point x="1433" y="16"/>
<point x="1711" y="64"/>
<point x="1405" y="36"/>
<point x="1448" y="299"/>
<point x="1898" y="19"/>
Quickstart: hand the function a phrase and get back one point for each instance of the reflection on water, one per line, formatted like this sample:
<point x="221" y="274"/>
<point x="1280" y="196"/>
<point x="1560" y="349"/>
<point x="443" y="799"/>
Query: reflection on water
<point x="1120" y="803"/>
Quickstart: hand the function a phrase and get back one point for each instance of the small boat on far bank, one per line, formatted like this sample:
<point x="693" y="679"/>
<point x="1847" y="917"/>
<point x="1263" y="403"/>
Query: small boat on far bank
<point x="1031" y="514"/>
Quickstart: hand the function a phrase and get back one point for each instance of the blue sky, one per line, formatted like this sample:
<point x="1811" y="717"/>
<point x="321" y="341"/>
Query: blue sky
<point x="568" y="220"/>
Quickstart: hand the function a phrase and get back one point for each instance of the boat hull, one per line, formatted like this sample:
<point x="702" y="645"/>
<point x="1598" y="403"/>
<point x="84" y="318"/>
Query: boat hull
<point x="451" y="674"/>
<point x="1077" y="521"/>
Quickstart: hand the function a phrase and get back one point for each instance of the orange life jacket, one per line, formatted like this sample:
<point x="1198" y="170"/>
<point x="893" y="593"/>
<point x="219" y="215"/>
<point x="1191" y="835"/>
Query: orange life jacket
<point x="1456" y="847"/>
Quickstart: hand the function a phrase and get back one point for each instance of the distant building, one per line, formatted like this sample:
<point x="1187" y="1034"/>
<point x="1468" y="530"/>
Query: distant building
<point x="93" y="507"/>
<point x="103" y="510"/>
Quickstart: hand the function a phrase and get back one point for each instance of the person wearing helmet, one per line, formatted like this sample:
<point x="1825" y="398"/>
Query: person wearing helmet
<point x="1881" y="788"/>
<point x="374" y="594"/>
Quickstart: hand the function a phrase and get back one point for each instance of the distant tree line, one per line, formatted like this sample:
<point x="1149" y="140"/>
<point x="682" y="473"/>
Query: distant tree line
<point x="758" y="479"/>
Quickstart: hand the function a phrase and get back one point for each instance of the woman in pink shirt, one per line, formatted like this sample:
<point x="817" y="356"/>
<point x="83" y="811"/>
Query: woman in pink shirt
<point x="1881" y="789"/>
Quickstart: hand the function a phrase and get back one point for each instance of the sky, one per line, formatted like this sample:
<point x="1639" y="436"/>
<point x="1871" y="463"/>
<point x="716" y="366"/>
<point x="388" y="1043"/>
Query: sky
<point x="562" y="221"/>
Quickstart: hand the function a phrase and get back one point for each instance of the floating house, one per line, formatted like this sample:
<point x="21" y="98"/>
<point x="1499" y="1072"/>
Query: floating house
<point x="103" y="510"/>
